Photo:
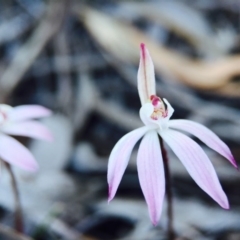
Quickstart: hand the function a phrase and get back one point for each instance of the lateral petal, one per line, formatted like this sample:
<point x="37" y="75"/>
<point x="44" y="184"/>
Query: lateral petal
<point x="197" y="164"/>
<point x="146" y="76"/>
<point x="119" y="158"/>
<point x="15" y="153"/>
<point x="151" y="174"/>
<point x="32" y="129"/>
<point x="24" y="112"/>
<point x="169" y="109"/>
<point x="206" y="136"/>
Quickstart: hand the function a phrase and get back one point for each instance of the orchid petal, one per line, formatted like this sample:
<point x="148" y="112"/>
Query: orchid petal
<point x="151" y="174"/>
<point x="25" y="112"/>
<point x="32" y="129"/>
<point x="15" y="153"/>
<point x="170" y="109"/>
<point x="146" y="76"/>
<point x="145" y="114"/>
<point x="197" y="164"/>
<point x="206" y="136"/>
<point x="163" y="122"/>
<point x="119" y="158"/>
<point x="4" y="108"/>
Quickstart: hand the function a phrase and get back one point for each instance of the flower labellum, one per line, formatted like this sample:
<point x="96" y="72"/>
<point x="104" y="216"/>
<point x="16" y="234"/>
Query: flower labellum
<point x="155" y="114"/>
<point x="18" y="121"/>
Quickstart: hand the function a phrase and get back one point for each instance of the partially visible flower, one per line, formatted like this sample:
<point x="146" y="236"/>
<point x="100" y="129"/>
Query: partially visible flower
<point x="155" y="114"/>
<point x="18" y="121"/>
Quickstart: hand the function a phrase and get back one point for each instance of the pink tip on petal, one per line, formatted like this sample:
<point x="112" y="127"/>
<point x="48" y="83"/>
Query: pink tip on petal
<point x="234" y="162"/>
<point x="110" y="197"/>
<point x="155" y="223"/>
<point x="226" y="206"/>
<point x="143" y="49"/>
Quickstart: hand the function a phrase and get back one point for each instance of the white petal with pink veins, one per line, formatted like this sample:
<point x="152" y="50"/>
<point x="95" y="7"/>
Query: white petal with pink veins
<point x="119" y="158"/>
<point x="25" y="112"/>
<point x="151" y="174"/>
<point x="146" y="76"/>
<point x="32" y="129"/>
<point x="205" y="135"/>
<point x="197" y="163"/>
<point x="15" y="153"/>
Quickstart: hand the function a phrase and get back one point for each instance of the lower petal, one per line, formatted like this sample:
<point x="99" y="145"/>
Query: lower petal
<point x="151" y="174"/>
<point x="15" y="153"/>
<point x="205" y="135"/>
<point x="119" y="158"/>
<point x="197" y="163"/>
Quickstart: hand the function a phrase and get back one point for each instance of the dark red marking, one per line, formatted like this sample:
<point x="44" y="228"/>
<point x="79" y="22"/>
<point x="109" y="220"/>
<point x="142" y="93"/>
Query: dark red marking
<point x="142" y="45"/>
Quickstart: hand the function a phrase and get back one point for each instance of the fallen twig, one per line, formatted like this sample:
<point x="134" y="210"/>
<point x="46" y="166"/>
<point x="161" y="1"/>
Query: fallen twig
<point x="27" y="54"/>
<point x="197" y="74"/>
<point x="10" y="234"/>
<point x="191" y="25"/>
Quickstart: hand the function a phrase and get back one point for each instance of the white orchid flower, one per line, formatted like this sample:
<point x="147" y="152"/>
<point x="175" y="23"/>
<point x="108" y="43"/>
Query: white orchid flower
<point x="155" y="114"/>
<point x="18" y="121"/>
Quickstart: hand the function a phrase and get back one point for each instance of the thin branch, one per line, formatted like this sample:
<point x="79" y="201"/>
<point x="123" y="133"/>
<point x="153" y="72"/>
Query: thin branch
<point x="19" y="226"/>
<point x="9" y="233"/>
<point x="63" y="63"/>
<point x="27" y="54"/>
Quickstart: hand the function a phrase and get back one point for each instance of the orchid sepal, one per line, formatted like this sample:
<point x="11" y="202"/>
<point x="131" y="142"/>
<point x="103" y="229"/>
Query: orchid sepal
<point x="146" y="76"/>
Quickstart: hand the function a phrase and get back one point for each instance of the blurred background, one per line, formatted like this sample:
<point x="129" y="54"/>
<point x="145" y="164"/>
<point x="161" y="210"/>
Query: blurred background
<point x="80" y="59"/>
